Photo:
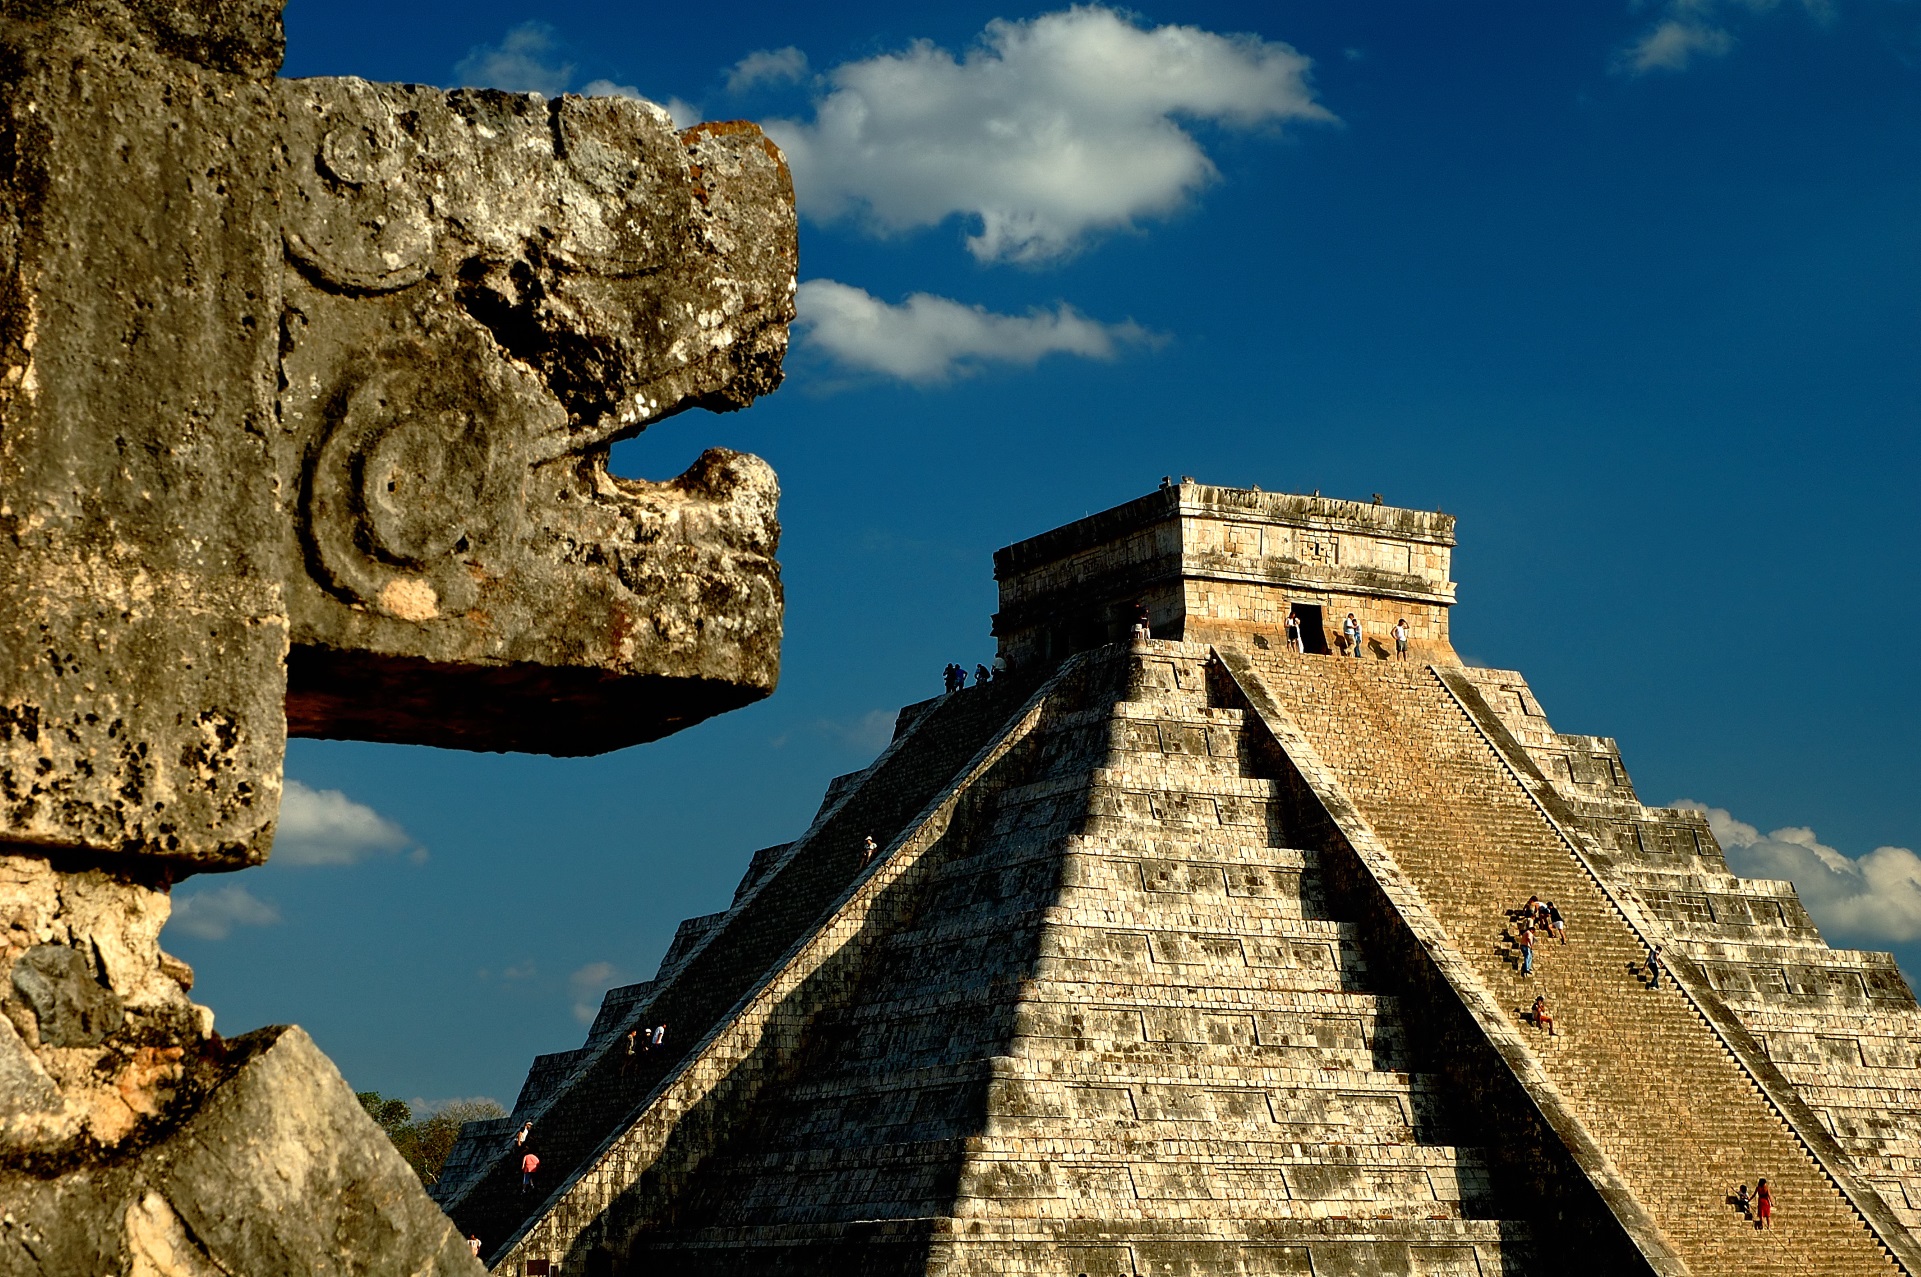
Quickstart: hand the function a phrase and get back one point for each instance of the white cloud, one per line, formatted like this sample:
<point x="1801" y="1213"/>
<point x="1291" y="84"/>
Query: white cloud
<point x="1871" y="897"/>
<point x="1048" y="130"/>
<point x="527" y="60"/>
<point x="767" y="66"/>
<point x="1690" y="29"/>
<point x="871" y="731"/>
<point x="325" y="827"/>
<point x="1672" y="43"/>
<point x="928" y="339"/>
<point x="608" y="89"/>
<point x="213" y="912"/>
<point x="588" y="984"/>
<point x="685" y="114"/>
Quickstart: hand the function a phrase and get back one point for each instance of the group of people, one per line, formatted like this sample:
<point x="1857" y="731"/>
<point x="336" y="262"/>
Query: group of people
<point x="641" y="1040"/>
<point x="638" y="1041"/>
<point x="955" y="676"/>
<point x="1758" y="1205"/>
<point x="1352" y="639"/>
<point x="529" y="1163"/>
<point x="1533" y="920"/>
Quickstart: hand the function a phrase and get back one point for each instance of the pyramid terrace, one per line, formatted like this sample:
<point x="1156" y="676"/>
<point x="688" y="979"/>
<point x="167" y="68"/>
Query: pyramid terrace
<point x="1189" y="948"/>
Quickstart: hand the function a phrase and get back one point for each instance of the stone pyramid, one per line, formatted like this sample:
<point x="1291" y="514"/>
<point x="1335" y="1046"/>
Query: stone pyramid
<point x="1190" y="954"/>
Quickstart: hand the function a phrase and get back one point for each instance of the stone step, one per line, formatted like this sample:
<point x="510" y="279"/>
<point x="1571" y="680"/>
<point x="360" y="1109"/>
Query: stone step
<point x="1662" y="1096"/>
<point x="1292" y="1090"/>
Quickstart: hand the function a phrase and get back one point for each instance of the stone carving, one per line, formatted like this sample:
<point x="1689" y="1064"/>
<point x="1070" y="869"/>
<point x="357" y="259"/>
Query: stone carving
<point x="306" y="395"/>
<point x="483" y="291"/>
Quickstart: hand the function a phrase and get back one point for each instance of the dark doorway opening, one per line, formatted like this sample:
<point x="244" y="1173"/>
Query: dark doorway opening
<point x="1313" y="636"/>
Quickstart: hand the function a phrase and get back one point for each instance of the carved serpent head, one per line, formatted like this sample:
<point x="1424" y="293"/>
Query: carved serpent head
<point x="483" y="292"/>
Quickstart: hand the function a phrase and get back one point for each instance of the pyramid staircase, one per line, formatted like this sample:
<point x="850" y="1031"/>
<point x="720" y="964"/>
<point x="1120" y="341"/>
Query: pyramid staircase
<point x="1121" y="1030"/>
<point x="1110" y="1025"/>
<point x="1181" y="962"/>
<point x="1678" y="1119"/>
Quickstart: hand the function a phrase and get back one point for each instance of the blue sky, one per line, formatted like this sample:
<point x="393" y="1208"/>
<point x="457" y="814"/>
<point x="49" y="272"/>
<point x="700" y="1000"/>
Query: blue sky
<point x="1634" y="289"/>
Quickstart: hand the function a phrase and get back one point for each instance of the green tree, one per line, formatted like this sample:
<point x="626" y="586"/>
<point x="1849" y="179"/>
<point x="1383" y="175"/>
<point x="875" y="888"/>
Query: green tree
<point x="426" y="1143"/>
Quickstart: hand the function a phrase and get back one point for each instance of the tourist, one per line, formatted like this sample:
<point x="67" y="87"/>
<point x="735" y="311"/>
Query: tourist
<point x="1763" y="1203"/>
<point x="1527" y="946"/>
<point x="1294" y="633"/>
<point x="473" y="1244"/>
<point x="982" y="675"/>
<point x="1744" y="1200"/>
<point x="1555" y="922"/>
<point x="528" y="1165"/>
<point x="955" y="676"/>
<point x="1400" y="640"/>
<point x="520" y="1136"/>
<point x="1351" y="631"/>
<point x="627" y="1065"/>
<point x="1542" y="1020"/>
<point x="660" y="1035"/>
<point x="1654" y="967"/>
<point x="867" y="852"/>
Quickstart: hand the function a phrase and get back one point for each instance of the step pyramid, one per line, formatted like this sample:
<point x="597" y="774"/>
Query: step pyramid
<point x="1190" y="957"/>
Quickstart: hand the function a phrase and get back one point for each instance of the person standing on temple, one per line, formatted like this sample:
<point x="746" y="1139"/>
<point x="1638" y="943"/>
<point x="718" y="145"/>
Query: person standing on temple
<point x="1294" y="633"/>
<point x="1351" y="630"/>
<point x="1400" y="640"/>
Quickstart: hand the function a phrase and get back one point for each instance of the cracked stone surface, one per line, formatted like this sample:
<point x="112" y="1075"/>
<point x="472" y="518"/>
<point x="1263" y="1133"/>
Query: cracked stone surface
<point x="278" y="1171"/>
<point x="306" y="395"/>
<point x="483" y="290"/>
<point x="306" y="392"/>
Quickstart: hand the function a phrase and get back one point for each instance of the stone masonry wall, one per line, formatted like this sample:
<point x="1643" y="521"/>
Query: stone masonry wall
<point x="1649" y="1081"/>
<point x="1211" y="561"/>
<point x="1842" y="1024"/>
<point x="1115" y="1029"/>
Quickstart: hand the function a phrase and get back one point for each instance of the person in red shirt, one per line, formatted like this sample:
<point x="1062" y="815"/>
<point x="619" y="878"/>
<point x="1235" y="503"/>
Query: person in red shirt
<point x="1763" y="1203"/>
<point x="528" y="1165"/>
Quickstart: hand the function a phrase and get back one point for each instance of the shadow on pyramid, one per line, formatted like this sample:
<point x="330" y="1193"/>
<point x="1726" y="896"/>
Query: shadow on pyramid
<point x="1193" y="954"/>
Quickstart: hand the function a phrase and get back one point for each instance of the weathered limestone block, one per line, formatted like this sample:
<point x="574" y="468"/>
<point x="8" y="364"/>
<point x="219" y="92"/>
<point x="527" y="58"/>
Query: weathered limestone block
<point x="483" y="291"/>
<point x="96" y="1029"/>
<point x="142" y="628"/>
<point x="279" y="1171"/>
<point x="306" y="394"/>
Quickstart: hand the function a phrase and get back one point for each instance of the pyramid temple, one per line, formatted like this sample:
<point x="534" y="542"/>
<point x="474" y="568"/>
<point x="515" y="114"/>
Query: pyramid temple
<point x="1187" y="952"/>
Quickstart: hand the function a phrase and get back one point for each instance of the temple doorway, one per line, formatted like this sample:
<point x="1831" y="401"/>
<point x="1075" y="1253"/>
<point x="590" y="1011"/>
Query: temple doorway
<point x="1313" y="635"/>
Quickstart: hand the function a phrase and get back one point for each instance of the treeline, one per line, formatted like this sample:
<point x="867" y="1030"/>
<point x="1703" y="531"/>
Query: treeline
<point x="425" y="1143"/>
